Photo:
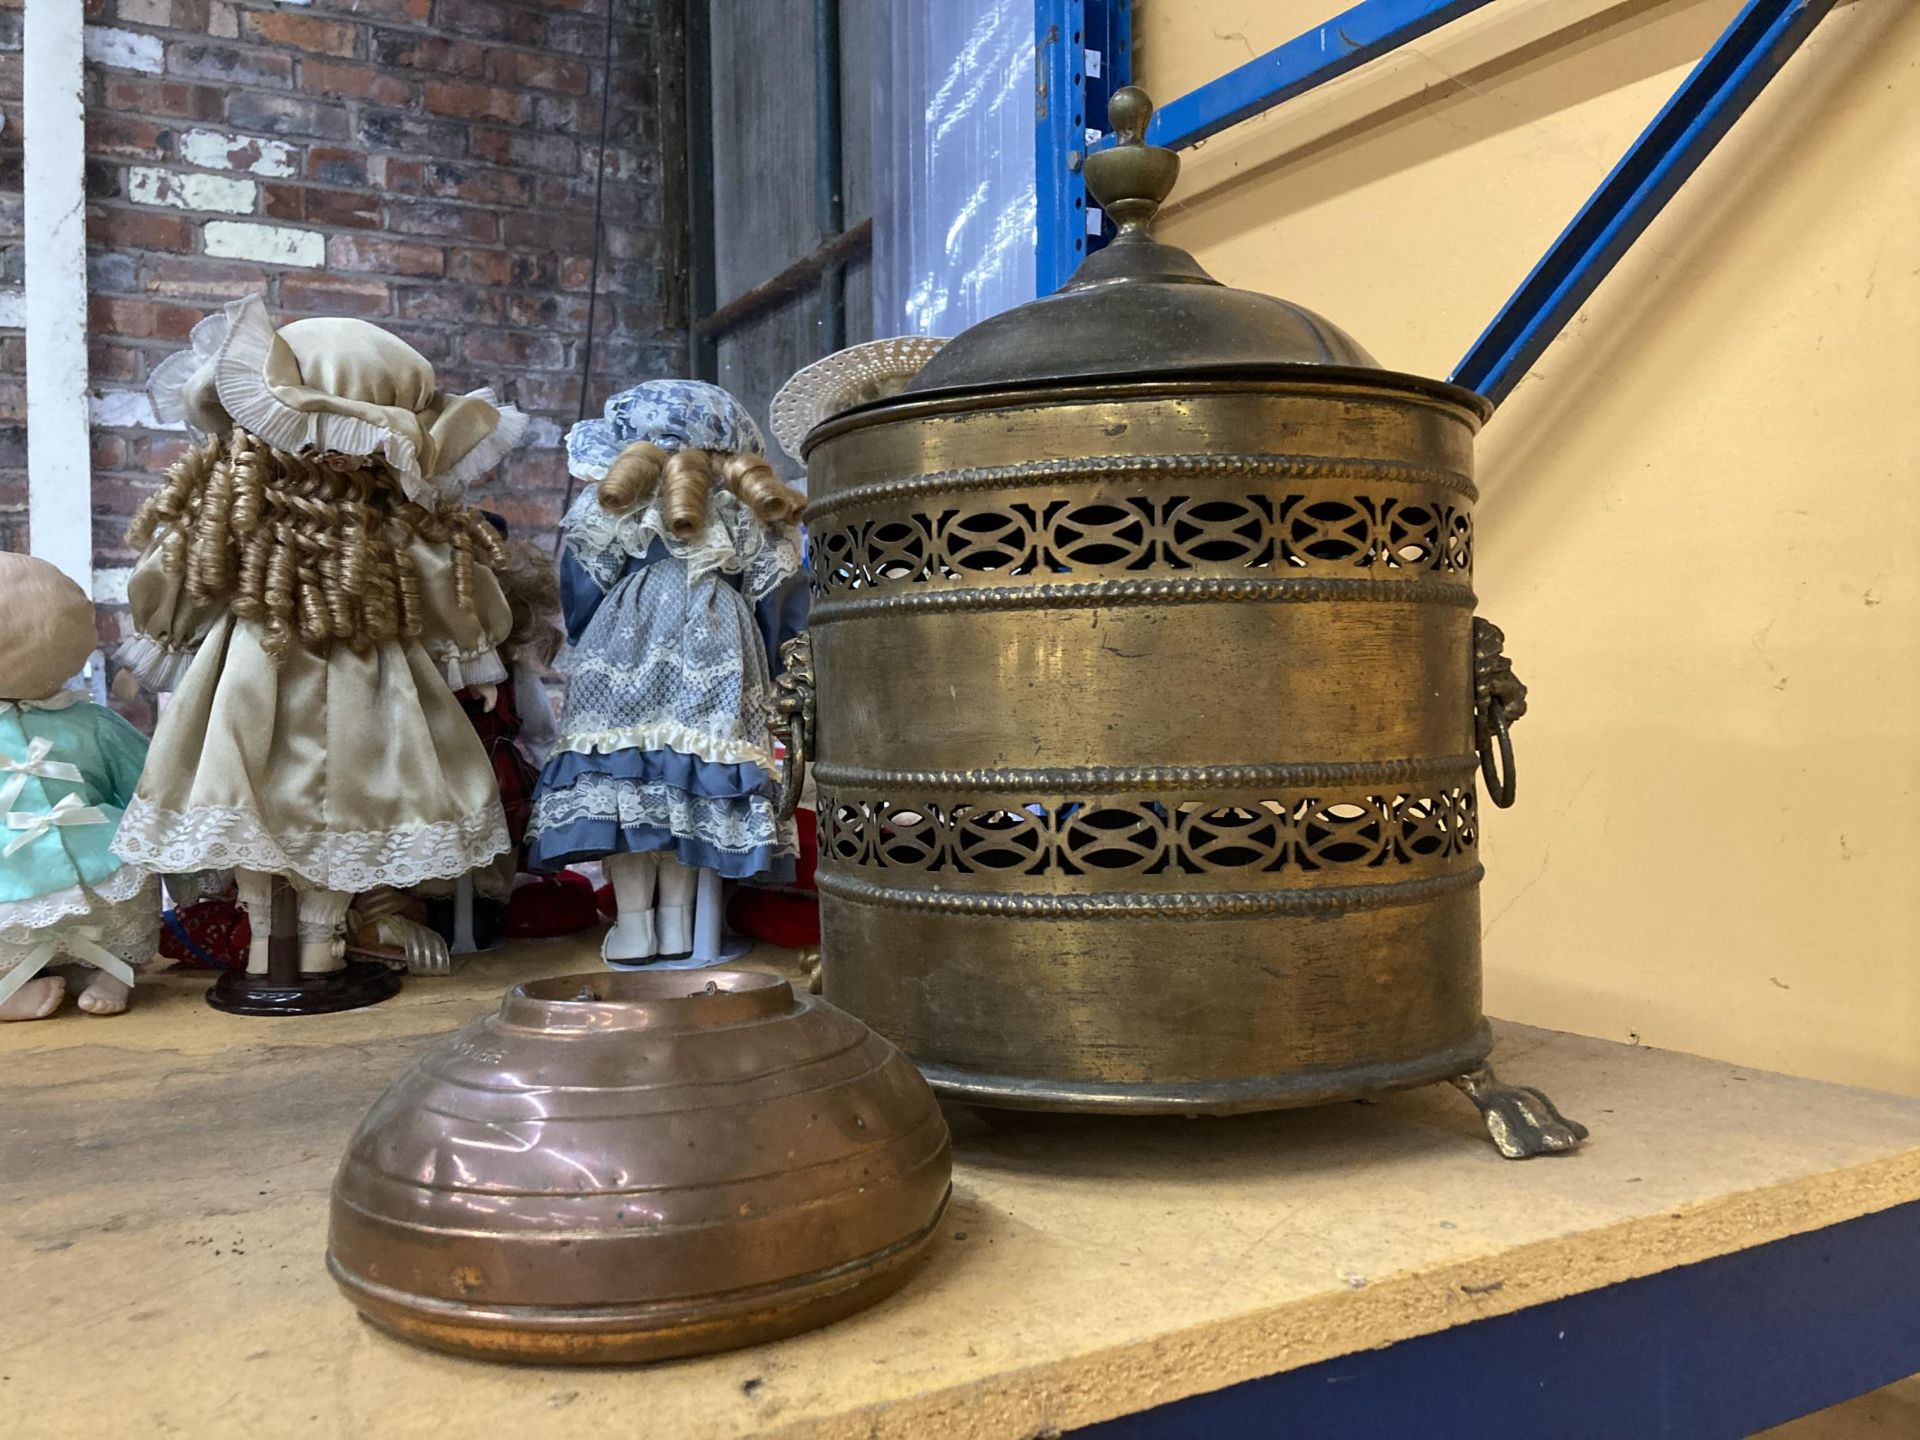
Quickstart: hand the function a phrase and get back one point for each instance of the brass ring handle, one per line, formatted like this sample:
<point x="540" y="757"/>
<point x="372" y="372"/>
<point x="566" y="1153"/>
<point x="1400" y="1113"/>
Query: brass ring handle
<point x="793" y="718"/>
<point x="793" y="771"/>
<point x="1499" y="699"/>
<point x="1501" y="788"/>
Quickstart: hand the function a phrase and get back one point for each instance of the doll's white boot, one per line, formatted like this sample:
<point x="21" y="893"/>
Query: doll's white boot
<point x="673" y="916"/>
<point x="630" y="943"/>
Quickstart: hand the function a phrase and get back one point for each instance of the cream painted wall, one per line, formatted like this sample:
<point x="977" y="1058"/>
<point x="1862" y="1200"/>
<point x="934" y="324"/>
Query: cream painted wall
<point x="1699" y="526"/>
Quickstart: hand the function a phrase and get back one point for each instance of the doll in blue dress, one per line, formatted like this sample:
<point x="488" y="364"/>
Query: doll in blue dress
<point x="680" y="556"/>
<point x="67" y="769"/>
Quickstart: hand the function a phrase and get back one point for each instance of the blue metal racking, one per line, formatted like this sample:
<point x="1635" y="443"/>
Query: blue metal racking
<point x="1083" y="52"/>
<point x="1720" y="88"/>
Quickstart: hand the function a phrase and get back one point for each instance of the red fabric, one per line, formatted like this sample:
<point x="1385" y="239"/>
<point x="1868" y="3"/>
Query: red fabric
<point x="560" y="904"/>
<point x="779" y="915"/>
<point x="789" y="920"/>
<point x="499" y="731"/>
<point x="218" y="928"/>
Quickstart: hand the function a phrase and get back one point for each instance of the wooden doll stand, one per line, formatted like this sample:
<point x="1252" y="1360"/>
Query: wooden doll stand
<point x="285" y="989"/>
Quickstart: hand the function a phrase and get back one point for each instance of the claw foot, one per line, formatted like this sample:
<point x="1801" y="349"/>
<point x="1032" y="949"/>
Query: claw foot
<point x="1522" y="1121"/>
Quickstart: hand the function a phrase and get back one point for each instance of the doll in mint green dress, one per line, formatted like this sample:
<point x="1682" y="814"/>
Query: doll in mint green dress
<point x="67" y="768"/>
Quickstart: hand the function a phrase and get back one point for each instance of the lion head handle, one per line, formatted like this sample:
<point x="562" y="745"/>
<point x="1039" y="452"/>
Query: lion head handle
<point x="793" y="717"/>
<point x="1493" y="677"/>
<point x="1499" y="699"/>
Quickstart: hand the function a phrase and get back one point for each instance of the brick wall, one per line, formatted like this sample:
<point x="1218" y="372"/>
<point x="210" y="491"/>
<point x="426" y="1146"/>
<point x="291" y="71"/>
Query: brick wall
<point x="427" y="164"/>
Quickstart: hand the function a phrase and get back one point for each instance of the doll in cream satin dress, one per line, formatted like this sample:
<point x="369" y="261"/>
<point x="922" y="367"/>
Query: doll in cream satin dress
<point x="312" y="593"/>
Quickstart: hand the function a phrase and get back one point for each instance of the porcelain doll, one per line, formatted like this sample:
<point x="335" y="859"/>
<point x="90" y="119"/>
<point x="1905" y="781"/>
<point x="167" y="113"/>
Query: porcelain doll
<point x="515" y="722"/>
<point x="664" y="764"/>
<point x="67" y="767"/>
<point x="313" y="594"/>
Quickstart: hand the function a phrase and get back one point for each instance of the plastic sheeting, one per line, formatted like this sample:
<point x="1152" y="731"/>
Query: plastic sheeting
<point x="953" y="163"/>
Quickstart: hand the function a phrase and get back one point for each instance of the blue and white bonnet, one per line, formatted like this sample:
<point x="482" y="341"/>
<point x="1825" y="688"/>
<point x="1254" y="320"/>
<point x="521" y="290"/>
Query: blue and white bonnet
<point x="673" y="414"/>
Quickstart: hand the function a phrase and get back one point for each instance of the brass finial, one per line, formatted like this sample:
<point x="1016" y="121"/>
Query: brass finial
<point x="1131" y="178"/>
<point x="1128" y="113"/>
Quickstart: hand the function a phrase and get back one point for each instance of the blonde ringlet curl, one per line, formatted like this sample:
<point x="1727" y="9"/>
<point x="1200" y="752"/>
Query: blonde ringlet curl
<point x="311" y="548"/>
<point x="632" y="478"/>
<point x="684" y="480"/>
<point x="771" y="499"/>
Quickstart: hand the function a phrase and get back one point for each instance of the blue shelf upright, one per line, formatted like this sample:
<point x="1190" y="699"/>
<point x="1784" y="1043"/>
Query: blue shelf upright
<point x="1712" y="98"/>
<point x="1083" y="52"/>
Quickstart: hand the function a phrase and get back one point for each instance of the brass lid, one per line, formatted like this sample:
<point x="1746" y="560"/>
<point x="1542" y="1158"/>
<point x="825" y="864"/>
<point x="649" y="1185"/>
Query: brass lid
<point x="1141" y="309"/>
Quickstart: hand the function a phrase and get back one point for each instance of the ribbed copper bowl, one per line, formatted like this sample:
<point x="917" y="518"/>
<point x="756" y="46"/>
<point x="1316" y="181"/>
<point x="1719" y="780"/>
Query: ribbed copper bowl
<point x="621" y="1167"/>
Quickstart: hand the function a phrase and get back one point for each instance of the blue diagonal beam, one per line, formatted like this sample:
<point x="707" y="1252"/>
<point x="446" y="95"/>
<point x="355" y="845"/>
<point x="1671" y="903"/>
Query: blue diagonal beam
<point x="1344" y="43"/>
<point x="1703" y="109"/>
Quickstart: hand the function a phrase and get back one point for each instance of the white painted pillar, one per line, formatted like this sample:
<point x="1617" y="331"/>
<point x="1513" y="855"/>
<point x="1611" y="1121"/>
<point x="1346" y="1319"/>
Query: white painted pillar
<point x="59" y="448"/>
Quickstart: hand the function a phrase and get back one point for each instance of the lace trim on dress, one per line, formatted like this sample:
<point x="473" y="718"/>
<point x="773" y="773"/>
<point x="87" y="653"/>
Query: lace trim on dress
<point x="128" y="928"/>
<point x="667" y="735"/>
<point x="671" y="658"/>
<point x="157" y="666"/>
<point x="218" y="837"/>
<point x="770" y="555"/>
<point x="20" y="918"/>
<point x="732" y="542"/>
<point x="726" y="824"/>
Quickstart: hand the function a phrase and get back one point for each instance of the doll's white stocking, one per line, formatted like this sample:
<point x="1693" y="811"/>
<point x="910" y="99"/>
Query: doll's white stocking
<point x="256" y="898"/>
<point x="673" y="916"/>
<point x="632" y="937"/>
<point x="323" y="925"/>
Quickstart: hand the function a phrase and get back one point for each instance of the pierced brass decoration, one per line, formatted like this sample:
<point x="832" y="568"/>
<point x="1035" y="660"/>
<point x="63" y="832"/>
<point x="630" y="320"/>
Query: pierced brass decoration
<point x="1168" y="838"/>
<point x="1332" y="530"/>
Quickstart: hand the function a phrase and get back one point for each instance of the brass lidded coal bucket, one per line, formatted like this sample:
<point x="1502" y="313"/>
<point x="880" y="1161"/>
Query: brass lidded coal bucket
<point x="1145" y="702"/>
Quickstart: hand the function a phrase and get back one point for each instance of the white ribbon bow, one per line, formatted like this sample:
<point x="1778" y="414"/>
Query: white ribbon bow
<point x="37" y="765"/>
<point x="82" y="942"/>
<point x="69" y="811"/>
